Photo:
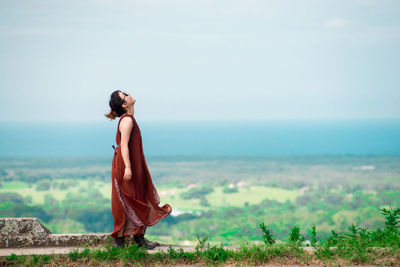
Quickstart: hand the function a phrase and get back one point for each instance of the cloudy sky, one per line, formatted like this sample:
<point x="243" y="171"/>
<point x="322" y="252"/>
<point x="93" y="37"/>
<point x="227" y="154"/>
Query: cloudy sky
<point x="200" y="60"/>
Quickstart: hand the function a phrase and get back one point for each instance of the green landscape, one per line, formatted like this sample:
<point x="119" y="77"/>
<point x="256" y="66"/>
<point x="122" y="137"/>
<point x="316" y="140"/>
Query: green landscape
<point x="225" y="198"/>
<point x="355" y="246"/>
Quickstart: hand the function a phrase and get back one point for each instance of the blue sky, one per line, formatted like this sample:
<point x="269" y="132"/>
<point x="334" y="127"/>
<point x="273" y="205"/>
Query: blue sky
<point x="200" y="60"/>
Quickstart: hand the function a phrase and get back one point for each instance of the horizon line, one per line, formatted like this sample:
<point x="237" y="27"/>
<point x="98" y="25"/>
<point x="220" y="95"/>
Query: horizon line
<point x="207" y="120"/>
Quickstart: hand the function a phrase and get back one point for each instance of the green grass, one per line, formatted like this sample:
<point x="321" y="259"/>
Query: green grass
<point x="355" y="246"/>
<point x="207" y="255"/>
<point x="132" y="255"/>
<point x="37" y="196"/>
<point x="24" y="190"/>
<point x="170" y="195"/>
<point x="13" y="185"/>
<point x="251" y="194"/>
<point x="104" y="188"/>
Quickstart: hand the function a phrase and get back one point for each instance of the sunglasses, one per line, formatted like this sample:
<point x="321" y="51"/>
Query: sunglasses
<point x="123" y="100"/>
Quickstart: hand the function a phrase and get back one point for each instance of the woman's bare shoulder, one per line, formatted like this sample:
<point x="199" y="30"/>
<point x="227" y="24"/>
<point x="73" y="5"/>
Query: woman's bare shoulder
<point x="126" y="123"/>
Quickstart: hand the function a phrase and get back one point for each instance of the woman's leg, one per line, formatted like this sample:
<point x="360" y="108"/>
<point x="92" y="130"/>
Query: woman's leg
<point x="120" y="239"/>
<point x="121" y="232"/>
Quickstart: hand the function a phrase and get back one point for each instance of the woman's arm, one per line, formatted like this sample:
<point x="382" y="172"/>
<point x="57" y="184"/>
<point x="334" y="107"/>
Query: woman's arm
<point x="126" y="126"/>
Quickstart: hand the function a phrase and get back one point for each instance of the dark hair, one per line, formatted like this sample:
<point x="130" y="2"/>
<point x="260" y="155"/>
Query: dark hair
<point x="116" y="106"/>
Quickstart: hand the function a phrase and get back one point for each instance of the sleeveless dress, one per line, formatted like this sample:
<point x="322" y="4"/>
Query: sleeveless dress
<point x="134" y="202"/>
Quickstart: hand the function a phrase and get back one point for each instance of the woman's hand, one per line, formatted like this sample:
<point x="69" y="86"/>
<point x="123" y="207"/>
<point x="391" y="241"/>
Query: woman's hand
<point x="128" y="174"/>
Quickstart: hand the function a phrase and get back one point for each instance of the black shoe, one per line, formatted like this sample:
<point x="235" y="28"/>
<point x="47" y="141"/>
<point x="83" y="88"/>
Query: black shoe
<point x="154" y="244"/>
<point x="120" y="242"/>
<point x="142" y="242"/>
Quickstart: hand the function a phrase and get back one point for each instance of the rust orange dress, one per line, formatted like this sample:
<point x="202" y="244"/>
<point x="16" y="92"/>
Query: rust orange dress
<point x="134" y="202"/>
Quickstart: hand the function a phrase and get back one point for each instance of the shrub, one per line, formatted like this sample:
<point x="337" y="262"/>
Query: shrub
<point x="294" y="235"/>
<point x="269" y="239"/>
<point x="197" y="192"/>
<point x="313" y="236"/>
<point x="228" y="190"/>
<point x="11" y="197"/>
<point x="204" y="202"/>
<point x="392" y="222"/>
<point x="43" y="185"/>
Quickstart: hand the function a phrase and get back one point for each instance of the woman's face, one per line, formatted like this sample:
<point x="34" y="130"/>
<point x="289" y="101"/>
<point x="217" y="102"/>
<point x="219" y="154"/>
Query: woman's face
<point x="128" y="99"/>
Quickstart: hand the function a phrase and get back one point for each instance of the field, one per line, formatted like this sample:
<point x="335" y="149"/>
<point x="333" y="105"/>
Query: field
<point x="224" y="197"/>
<point x="170" y="195"/>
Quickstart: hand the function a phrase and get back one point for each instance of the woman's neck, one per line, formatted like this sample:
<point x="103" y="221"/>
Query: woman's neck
<point x="130" y="111"/>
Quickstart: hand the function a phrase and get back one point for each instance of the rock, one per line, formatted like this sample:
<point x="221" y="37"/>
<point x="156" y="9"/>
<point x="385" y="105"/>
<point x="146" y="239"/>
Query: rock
<point x="21" y="232"/>
<point x="29" y="232"/>
<point x="69" y="240"/>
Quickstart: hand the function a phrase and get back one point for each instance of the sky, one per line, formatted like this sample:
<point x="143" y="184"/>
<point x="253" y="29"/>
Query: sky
<point x="200" y="60"/>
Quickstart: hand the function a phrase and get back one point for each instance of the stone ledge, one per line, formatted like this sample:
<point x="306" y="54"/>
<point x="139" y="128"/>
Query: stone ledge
<point x="29" y="232"/>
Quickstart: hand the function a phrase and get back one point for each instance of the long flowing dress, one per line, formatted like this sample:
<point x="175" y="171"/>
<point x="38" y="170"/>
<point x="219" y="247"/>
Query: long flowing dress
<point x="134" y="202"/>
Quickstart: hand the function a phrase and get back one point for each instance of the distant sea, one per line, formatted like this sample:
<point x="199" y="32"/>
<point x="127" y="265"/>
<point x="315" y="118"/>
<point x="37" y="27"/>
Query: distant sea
<point x="207" y="138"/>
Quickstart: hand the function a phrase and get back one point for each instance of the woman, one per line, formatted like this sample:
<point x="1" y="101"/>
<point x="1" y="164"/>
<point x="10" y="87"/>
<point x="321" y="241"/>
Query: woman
<point x="134" y="199"/>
